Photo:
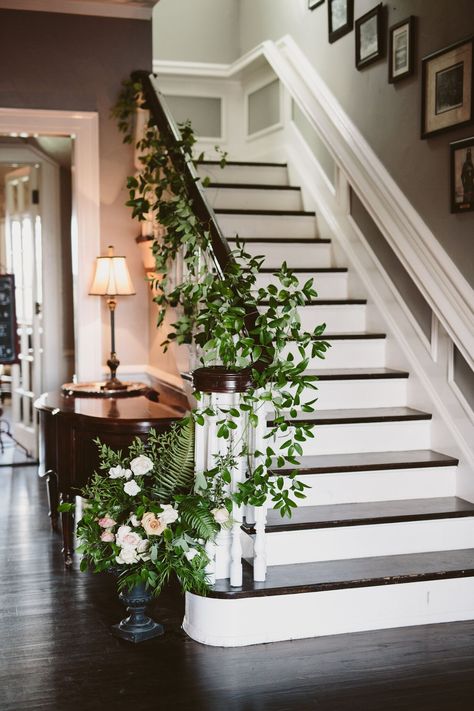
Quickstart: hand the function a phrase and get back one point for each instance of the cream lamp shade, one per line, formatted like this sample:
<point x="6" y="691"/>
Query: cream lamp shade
<point x="111" y="276"/>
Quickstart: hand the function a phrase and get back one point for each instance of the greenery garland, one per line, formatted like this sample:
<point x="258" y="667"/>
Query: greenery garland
<point x="211" y="313"/>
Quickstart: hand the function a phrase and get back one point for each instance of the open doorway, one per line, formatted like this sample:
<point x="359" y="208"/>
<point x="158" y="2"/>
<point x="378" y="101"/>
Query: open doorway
<point x="55" y="153"/>
<point x="36" y="249"/>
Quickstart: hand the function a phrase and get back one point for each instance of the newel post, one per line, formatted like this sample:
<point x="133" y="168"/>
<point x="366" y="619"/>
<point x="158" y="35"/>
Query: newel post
<point x="222" y="390"/>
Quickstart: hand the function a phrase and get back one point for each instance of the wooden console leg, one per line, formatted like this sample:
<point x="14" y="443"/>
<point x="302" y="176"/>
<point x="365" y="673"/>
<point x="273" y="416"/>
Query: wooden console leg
<point x="53" y="497"/>
<point x="67" y="523"/>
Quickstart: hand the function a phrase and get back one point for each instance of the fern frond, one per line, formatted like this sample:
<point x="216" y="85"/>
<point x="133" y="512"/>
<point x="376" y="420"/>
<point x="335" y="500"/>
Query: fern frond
<point x="198" y="517"/>
<point x="175" y="461"/>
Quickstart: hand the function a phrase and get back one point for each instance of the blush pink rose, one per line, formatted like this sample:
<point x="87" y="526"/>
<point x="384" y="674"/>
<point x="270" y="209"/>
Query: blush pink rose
<point x="107" y="537"/>
<point x="152" y="525"/>
<point x="106" y="522"/>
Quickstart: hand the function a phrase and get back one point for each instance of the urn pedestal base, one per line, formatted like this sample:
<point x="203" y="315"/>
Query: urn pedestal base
<point x="137" y="627"/>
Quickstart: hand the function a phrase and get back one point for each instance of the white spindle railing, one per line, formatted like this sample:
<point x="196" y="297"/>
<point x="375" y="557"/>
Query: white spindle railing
<point x="225" y="553"/>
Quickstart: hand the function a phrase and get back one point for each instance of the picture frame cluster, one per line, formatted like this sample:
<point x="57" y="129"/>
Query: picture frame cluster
<point x="447" y="80"/>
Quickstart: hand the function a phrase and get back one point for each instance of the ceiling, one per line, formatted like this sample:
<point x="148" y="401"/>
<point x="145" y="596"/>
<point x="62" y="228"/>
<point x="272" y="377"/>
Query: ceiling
<point x="139" y="9"/>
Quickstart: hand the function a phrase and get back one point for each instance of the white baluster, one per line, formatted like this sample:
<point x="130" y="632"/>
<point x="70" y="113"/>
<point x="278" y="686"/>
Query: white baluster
<point x="223" y="538"/>
<point x="237" y="477"/>
<point x="259" y="547"/>
<point x="260" y="557"/>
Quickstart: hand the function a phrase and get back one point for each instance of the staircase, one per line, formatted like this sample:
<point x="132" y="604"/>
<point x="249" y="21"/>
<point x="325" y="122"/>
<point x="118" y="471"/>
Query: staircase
<point x="381" y="539"/>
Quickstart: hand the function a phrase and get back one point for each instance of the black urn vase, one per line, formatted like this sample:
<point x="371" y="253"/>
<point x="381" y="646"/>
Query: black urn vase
<point x="137" y="627"/>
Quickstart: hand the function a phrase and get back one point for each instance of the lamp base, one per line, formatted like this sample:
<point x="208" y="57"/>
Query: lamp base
<point x="114" y="384"/>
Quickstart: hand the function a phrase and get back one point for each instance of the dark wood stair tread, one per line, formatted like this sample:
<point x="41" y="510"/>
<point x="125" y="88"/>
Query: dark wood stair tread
<point x="307" y="270"/>
<point x="366" y="514"/>
<point x="369" y="461"/>
<point x="280" y="240"/>
<point x="251" y="186"/>
<point x="352" y="336"/>
<point x="327" y="302"/>
<point x="278" y="213"/>
<point x="356" y="373"/>
<point x="354" y="573"/>
<point x="243" y="162"/>
<point x="357" y="415"/>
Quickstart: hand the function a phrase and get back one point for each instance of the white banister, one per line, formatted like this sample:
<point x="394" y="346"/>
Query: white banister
<point x="238" y="474"/>
<point x="260" y="557"/>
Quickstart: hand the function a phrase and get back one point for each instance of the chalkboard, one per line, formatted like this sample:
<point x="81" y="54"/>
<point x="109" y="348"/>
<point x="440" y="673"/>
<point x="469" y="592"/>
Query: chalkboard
<point x="8" y="329"/>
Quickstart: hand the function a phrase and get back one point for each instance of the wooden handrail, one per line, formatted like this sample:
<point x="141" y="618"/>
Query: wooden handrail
<point x="163" y="119"/>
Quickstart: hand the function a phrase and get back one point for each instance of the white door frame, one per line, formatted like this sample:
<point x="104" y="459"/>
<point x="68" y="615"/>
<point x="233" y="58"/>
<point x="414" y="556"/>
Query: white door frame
<point x="83" y="127"/>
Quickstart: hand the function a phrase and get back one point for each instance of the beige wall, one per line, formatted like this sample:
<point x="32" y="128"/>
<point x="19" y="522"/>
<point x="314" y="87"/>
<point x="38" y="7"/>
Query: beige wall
<point x="196" y="30"/>
<point x="387" y="115"/>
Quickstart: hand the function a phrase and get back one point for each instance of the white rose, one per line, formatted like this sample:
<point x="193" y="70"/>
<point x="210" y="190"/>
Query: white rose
<point x="191" y="553"/>
<point x="119" y="472"/>
<point x="141" y="465"/>
<point x="130" y="540"/>
<point x="127" y="556"/>
<point x="131" y="488"/>
<point x="134" y="520"/>
<point x="122" y="531"/>
<point x="221" y="516"/>
<point x="142" y="550"/>
<point x="168" y="515"/>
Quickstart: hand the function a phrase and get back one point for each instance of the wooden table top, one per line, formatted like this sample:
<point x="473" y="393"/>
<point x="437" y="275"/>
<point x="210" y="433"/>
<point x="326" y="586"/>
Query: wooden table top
<point x="170" y="406"/>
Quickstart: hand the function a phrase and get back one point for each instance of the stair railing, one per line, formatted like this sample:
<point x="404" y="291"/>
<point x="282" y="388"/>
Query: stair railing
<point x="222" y="389"/>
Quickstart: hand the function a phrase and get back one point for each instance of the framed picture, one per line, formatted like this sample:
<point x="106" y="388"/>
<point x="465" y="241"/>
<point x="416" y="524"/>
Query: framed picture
<point x="340" y="18"/>
<point x="447" y="89"/>
<point x="313" y="4"/>
<point x="369" y="37"/>
<point x="462" y="175"/>
<point x="401" y="50"/>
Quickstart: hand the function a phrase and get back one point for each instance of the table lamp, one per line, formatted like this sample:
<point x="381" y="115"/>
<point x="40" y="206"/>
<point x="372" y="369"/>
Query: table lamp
<point x="112" y="279"/>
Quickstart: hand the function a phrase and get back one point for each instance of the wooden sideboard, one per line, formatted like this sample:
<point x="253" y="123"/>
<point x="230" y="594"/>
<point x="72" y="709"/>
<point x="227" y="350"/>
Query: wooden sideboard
<point x="68" y="426"/>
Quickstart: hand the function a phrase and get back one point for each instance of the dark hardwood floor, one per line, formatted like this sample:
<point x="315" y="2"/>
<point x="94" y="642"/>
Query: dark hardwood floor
<point x="57" y="653"/>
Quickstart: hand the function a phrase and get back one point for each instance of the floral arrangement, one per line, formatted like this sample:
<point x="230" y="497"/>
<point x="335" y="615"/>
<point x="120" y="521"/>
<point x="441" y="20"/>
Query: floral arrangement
<point x="143" y="518"/>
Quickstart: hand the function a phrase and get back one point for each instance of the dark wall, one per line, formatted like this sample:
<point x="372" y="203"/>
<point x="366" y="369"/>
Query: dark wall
<point x="63" y="61"/>
<point x="77" y="63"/>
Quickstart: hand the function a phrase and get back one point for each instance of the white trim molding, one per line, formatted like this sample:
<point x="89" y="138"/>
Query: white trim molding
<point x="443" y="286"/>
<point x="447" y="292"/>
<point x="83" y="127"/>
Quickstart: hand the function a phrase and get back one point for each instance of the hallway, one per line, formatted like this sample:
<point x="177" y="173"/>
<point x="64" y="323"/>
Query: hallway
<point x="57" y="653"/>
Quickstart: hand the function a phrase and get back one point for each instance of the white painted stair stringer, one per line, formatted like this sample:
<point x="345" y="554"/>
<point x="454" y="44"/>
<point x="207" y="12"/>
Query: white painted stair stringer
<point x="379" y="485"/>
<point x="366" y="437"/>
<point x="338" y="394"/>
<point x="370" y="540"/>
<point x="453" y="432"/>
<point x="297" y="254"/>
<point x="273" y="226"/>
<point x="254" y="199"/>
<point x="329" y="285"/>
<point x="255" y="620"/>
<point x="350" y="353"/>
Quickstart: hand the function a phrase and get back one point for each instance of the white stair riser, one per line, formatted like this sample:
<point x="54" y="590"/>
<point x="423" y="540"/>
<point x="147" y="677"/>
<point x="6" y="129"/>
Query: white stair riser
<point x="274" y="226"/>
<point x="350" y="353"/>
<point x="367" y="437"/>
<point x="295" y="254"/>
<point x="255" y="620"/>
<point x="383" y="485"/>
<point x="339" y="318"/>
<point x="258" y="199"/>
<point x="332" y="285"/>
<point x="341" y="542"/>
<point x="340" y="394"/>
<point x="250" y="174"/>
